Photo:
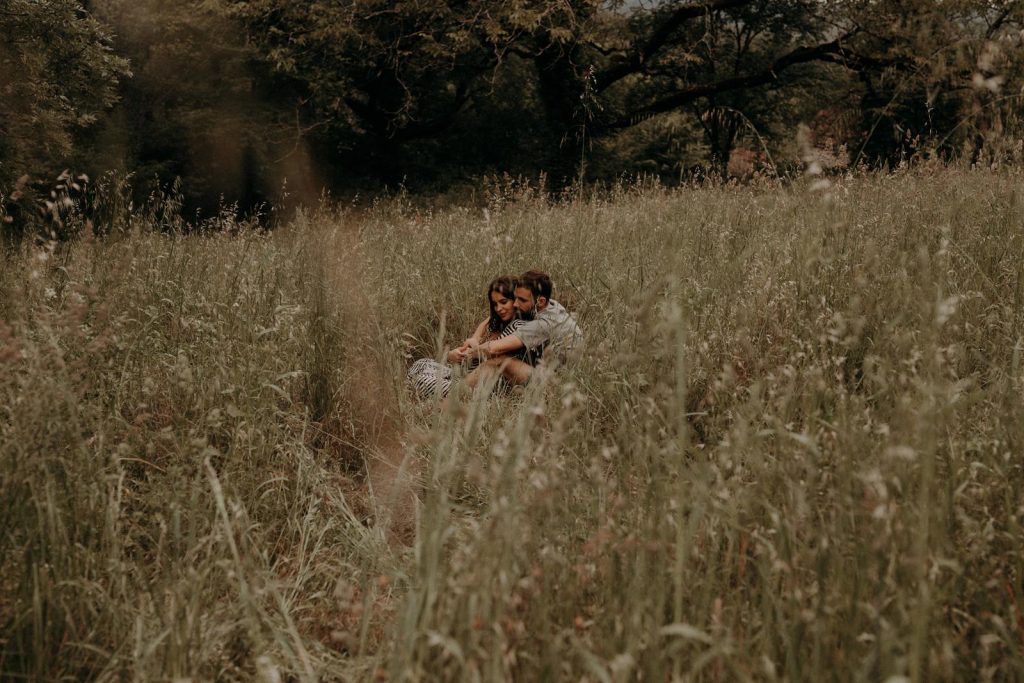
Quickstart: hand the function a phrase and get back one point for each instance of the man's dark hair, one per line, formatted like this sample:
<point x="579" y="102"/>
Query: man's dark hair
<point x="537" y="282"/>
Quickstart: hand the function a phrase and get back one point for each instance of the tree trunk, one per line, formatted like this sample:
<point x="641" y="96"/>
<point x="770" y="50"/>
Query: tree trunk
<point x="561" y="92"/>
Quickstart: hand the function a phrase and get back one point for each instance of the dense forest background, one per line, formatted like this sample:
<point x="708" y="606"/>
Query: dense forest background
<point x="252" y="102"/>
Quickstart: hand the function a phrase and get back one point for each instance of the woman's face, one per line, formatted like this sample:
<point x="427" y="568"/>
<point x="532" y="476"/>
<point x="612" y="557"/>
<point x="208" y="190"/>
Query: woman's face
<point x="504" y="306"/>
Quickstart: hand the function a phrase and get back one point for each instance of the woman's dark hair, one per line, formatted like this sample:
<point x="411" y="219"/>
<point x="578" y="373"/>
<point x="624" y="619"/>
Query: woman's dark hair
<point x="506" y="286"/>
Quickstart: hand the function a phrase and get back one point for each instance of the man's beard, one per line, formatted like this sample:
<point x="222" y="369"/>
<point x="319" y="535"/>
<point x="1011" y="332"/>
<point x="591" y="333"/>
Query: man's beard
<point x="528" y="315"/>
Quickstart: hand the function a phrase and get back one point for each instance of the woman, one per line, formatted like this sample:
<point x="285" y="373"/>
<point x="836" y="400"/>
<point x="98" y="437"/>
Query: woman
<point x="427" y="376"/>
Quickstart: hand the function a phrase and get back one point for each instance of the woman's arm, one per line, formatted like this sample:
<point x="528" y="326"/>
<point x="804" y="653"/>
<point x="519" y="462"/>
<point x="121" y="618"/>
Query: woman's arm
<point x="479" y="334"/>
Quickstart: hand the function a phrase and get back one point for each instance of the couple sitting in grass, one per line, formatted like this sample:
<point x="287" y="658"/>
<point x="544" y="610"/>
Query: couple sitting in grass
<point x="525" y="329"/>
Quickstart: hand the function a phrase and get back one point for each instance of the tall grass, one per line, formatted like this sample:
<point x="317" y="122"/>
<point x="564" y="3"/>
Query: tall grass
<point x="792" y="449"/>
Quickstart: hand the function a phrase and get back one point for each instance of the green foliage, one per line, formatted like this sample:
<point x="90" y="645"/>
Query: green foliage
<point x="385" y="79"/>
<point x="387" y="83"/>
<point x="952" y="80"/>
<point x="58" y="75"/>
<point x="197" y="110"/>
<point x="272" y="101"/>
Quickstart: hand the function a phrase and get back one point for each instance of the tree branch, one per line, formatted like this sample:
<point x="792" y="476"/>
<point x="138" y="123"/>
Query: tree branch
<point x="831" y="52"/>
<point x="657" y="40"/>
<point x="999" y="21"/>
<point x="441" y="122"/>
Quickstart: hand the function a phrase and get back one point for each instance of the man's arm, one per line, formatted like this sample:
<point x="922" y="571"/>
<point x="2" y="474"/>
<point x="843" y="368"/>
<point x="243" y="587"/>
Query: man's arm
<point x="528" y="335"/>
<point x="500" y="347"/>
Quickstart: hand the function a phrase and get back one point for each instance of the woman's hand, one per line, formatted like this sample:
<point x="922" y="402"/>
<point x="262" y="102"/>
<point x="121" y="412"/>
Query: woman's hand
<point x="468" y="348"/>
<point x="456" y="356"/>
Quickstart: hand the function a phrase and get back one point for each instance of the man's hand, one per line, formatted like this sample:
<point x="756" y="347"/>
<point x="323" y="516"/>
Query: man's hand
<point x="501" y="347"/>
<point x="456" y="356"/>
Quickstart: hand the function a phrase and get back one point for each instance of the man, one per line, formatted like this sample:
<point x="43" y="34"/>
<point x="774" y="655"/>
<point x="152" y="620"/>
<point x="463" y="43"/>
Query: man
<point x="550" y="331"/>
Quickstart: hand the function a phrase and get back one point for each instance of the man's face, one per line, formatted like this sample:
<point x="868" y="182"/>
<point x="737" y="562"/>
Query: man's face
<point x="525" y="302"/>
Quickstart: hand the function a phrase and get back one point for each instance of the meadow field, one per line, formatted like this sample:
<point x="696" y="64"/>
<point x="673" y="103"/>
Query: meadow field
<point x="792" y="449"/>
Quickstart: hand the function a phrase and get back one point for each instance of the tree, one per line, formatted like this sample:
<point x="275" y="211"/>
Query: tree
<point x="377" y="74"/>
<point x="199" y="109"/>
<point x="391" y="73"/>
<point x="58" y="74"/>
<point x="727" y="50"/>
<point x="233" y="96"/>
<point x="935" y="73"/>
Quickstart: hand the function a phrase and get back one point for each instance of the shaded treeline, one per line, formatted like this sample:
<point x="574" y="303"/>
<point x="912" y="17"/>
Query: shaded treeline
<point x="268" y="100"/>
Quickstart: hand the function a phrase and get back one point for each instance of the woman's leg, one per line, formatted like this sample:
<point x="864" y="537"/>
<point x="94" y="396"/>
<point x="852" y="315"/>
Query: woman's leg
<point x="513" y="370"/>
<point x="427" y="377"/>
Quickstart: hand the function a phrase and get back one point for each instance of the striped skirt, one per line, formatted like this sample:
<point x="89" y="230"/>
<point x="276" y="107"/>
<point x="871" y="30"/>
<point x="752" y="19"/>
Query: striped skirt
<point x="427" y="378"/>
